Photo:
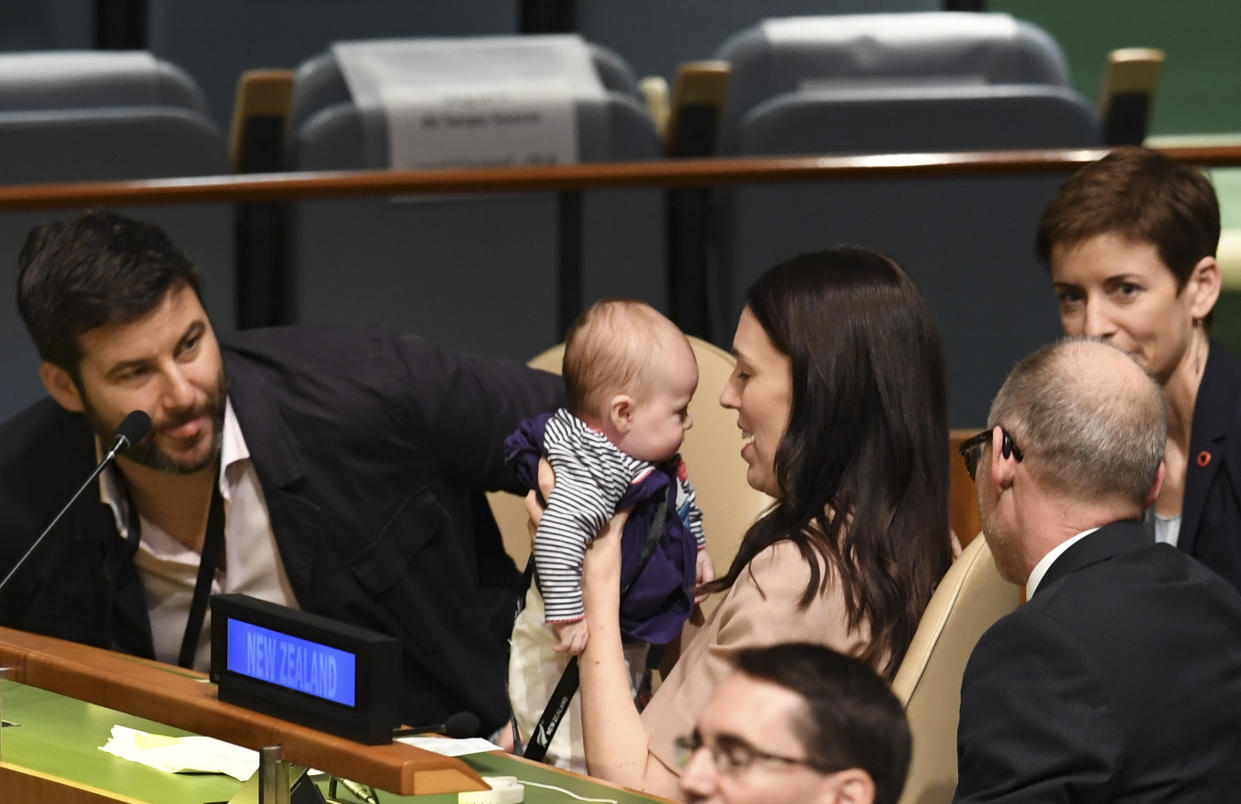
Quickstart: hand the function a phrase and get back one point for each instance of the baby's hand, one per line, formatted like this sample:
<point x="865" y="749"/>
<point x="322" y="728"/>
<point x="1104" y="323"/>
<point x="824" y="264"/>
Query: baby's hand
<point x="704" y="571"/>
<point x="573" y="636"/>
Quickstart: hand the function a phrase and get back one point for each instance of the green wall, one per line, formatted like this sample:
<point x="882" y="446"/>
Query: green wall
<point x="1200" y="86"/>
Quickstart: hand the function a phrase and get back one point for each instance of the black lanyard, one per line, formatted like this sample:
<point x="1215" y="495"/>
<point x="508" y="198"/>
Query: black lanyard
<point x="206" y="572"/>
<point x="558" y="704"/>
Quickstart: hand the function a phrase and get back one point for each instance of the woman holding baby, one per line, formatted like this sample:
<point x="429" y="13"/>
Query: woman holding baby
<point x="840" y="398"/>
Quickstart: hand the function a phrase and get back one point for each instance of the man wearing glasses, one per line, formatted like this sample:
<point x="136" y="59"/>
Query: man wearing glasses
<point x="797" y="723"/>
<point x="1120" y="679"/>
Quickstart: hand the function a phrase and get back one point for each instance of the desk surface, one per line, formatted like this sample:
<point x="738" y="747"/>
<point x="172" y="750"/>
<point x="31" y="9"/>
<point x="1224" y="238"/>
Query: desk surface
<point x="59" y="736"/>
<point x="184" y="699"/>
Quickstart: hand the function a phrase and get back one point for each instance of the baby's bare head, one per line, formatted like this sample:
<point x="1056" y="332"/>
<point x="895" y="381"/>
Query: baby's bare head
<point x="620" y="346"/>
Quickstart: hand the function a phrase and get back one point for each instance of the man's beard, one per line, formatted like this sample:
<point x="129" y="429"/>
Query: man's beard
<point x="146" y="452"/>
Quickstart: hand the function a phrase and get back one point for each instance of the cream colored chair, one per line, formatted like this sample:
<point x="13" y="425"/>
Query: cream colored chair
<point x="712" y="454"/>
<point x="969" y="599"/>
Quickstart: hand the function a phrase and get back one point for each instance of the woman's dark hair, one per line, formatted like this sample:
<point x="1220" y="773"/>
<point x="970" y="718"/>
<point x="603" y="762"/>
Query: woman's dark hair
<point x="1145" y="197"/>
<point x="863" y="466"/>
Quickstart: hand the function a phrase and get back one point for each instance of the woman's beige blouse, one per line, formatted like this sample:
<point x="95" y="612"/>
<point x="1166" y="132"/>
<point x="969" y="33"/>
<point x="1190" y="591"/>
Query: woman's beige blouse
<point x="759" y="609"/>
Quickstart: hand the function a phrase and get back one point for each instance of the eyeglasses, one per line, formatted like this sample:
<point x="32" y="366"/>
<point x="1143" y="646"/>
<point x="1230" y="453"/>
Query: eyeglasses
<point x="733" y="756"/>
<point x="971" y="449"/>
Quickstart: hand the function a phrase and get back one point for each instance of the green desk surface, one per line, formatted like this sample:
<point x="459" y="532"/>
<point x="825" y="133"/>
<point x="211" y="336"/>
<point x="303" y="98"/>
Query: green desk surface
<point x="60" y="736"/>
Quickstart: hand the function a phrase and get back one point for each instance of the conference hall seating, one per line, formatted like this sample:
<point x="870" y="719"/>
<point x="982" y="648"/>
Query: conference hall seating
<point x="69" y="116"/>
<point x="217" y="41"/>
<point x="902" y="83"/>
<point x="479" y="273"/>
<point x="779" y="60"/>
<point x="969" y="599"/>
<point x="656" y="36"/>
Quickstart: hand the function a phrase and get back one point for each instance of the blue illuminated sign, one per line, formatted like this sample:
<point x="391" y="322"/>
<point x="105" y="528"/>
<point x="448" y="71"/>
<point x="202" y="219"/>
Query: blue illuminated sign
<point x="296" y="664"/>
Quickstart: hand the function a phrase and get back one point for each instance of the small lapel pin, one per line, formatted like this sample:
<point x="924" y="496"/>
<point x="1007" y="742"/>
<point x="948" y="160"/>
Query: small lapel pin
<point x="1204" y="458"/>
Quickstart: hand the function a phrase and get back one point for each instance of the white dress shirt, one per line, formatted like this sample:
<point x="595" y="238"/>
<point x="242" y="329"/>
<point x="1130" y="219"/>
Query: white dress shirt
<point x="1044" y="563"/>
<point x="1168" y="529"/>
<point x="249" y="559"/>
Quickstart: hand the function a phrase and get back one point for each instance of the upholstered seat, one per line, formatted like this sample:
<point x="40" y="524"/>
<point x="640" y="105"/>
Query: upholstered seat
<point x="969" y="599"/>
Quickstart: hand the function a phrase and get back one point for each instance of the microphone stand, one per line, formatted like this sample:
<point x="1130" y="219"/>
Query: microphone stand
<point x="121" y="443"/>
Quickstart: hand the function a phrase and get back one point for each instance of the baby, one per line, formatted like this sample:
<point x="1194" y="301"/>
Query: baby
<point x="629" y="376"/>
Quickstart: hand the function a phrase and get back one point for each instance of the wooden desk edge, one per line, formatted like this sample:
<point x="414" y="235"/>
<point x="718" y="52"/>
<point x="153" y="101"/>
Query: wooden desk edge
<point x="23" y="784"/>
<point x="185" y="700"/>
<point x="593" y="780"/>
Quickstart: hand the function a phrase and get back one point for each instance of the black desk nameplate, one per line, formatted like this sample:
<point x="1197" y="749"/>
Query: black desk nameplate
<point x="305" y="668"/>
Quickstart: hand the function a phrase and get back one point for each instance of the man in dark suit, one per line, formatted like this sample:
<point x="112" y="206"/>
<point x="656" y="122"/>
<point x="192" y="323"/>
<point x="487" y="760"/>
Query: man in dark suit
<point x="1120" y="679"/>
<point x="340" y="472"/>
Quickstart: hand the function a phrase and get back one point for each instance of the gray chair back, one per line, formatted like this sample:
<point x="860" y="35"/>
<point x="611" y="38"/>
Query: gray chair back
<point x="937" y="48"/>
<point x="478" y="273"/>
<point x="218" y="41"/>
<point x="657" y="36"/>
<point x="91" y="79"/>
<point x="967" y="240"/>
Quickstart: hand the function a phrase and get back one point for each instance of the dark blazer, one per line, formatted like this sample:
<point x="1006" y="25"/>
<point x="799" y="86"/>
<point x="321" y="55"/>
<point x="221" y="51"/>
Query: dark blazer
<point x="372" y="450"/>
<point x="1211" y="511"/>
<point x="1120" y="680"/>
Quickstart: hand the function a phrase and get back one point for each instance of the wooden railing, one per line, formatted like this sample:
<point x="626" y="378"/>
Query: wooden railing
<point x="668" y="174"/>
<point x="686" y="279"/>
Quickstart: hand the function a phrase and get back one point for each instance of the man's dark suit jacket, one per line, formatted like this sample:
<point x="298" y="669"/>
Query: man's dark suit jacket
<point x="1120" y="680"/>
<point x="372" y="450"/>
<point x="1211" y="512"/>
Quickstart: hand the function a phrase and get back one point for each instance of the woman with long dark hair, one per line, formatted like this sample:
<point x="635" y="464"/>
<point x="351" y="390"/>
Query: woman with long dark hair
<point x="840" y="398"/>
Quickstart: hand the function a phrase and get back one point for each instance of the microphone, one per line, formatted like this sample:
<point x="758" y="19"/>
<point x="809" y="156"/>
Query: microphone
<point x="132" y="428"/>
<point x="458" y="726"/>
<point x="363" y="792"/>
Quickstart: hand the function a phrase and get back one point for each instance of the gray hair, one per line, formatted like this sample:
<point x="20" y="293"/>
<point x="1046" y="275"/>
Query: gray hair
<point x="1087" y="430"/>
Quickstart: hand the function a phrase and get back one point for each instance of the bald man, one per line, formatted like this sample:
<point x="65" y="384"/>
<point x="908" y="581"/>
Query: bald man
<point x="1120" y="679"/>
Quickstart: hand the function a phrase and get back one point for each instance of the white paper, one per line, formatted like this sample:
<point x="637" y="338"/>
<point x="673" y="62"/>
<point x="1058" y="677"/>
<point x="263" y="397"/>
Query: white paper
<point x="182" y="754"/>
<point x="896" y="27"/>
<point x="475" y="102"/>
<point x="451" y="748"/>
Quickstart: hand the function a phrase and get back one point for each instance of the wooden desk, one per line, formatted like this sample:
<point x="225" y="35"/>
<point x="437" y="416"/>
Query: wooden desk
<point x="67" y="697"/>
<point x="52" y="757"/>
<point x="186" y="700"/>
